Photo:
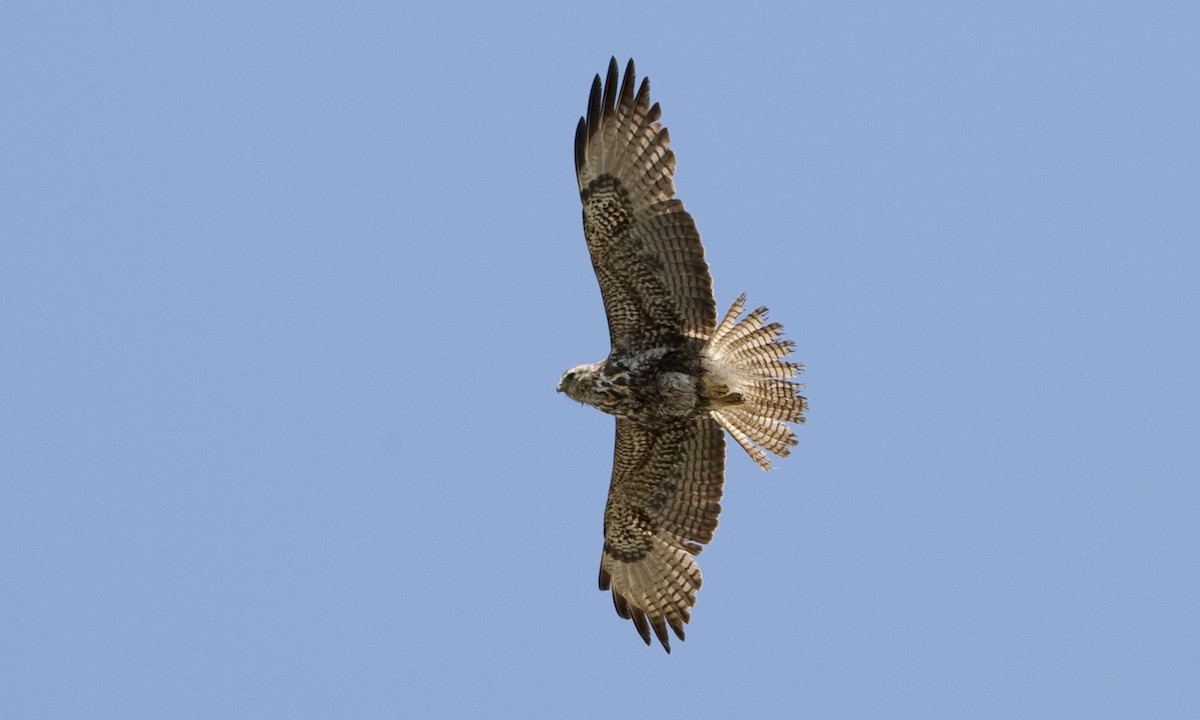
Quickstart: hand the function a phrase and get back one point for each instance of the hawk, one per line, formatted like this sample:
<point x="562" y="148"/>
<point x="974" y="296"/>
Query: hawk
<point x="674" y="376"/>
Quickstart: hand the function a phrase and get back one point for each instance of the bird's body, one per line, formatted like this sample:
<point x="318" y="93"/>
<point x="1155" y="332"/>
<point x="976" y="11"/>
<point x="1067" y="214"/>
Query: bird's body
<point x="650" y="386"/>
<point x="674" y="377"/>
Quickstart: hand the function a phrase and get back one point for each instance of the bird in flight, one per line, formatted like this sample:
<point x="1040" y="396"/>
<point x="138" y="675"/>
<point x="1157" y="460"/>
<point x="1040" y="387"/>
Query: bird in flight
<point x="674" y="376"/>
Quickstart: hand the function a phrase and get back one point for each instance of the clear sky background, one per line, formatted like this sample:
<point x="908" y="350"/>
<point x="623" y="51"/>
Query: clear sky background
<point x="285" y="291"/>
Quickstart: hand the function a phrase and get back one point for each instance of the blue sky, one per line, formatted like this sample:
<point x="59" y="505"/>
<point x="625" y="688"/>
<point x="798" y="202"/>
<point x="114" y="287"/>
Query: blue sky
<point x="285" y="291"/>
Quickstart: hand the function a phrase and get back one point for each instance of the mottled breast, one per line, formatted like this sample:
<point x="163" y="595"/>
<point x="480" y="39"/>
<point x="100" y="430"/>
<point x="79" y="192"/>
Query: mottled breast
<point x="653" y="386"/>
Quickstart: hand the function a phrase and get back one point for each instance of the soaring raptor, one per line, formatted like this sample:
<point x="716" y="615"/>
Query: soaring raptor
<point x="674" y="376"/>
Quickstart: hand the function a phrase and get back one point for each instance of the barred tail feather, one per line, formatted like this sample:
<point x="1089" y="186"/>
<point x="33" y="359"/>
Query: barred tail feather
<point x="749" y="383"/>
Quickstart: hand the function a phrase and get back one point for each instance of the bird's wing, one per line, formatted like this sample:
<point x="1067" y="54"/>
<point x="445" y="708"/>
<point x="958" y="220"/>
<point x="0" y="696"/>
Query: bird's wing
<point x="663" y="503"/>
<point x="644" y="245"/>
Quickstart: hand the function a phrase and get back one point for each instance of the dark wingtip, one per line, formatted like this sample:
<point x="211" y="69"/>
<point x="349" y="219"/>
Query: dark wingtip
<point x="595" y="98"/>
<point x="660" y="631"/>
<point x="581" y="135"/>
<point x="610" y="86"/>
<point x="643" y="627"/>
<point x="607" y="94"/>
<point x="655" y="113"/>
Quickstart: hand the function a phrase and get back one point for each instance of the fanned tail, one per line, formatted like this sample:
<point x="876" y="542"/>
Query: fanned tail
<point x="750" y="383"/>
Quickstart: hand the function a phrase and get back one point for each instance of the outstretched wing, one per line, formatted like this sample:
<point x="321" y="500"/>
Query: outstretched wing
<point x="663" y="503"/>
<point x="644" y="245"/>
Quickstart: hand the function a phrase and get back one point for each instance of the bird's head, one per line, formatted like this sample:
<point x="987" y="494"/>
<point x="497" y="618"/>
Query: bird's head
<point x="579" y="381"/>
